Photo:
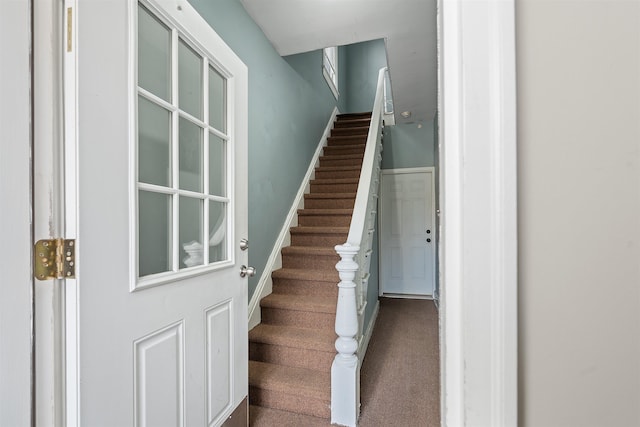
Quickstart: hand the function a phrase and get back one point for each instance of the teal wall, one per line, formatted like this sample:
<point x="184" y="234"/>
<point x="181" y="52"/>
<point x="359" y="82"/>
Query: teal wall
<point x="407" y="146"/>
<point x="288" y="111"/>
<point x="363" y="62"/>
<point x="309" y="66"/>
<point x="289" y="106"/>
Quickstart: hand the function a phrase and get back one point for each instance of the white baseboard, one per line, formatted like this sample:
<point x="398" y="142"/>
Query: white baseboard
<point x="284" y="238"/>
<point x="364" y="342"/>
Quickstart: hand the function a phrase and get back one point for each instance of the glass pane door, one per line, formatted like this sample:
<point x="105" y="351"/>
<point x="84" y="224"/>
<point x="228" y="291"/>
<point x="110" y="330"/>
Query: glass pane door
<point x="182" y="155"/>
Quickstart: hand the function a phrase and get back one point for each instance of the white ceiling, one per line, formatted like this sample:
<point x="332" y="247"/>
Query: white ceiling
<point x="409" y="27"/>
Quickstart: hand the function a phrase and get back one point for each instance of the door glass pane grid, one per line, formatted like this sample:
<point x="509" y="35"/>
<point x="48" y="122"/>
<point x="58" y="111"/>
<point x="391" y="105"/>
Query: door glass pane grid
<point x="154" y="54"/>
<point x="190" y="79"/>
<point x="188" y="192"/>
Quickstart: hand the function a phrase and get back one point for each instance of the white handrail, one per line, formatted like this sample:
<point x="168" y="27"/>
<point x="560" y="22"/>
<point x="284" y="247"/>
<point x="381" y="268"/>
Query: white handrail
<point x="353" y="269"/>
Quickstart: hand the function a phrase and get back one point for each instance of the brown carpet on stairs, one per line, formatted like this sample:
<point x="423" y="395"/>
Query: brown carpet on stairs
<point x="400" y="376"/>
<point x="291" y="351"/>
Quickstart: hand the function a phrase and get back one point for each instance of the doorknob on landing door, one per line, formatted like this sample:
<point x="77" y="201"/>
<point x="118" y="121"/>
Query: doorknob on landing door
<point x="244" y="244"/>
<point x="247" y="271"/>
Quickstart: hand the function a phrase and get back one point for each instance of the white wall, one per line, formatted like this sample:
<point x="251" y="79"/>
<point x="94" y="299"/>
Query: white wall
<point x="578" y="65"/>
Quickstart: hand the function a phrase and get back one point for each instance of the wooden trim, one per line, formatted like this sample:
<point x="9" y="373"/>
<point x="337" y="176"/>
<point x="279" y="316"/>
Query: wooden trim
<point x="240" y="416"/>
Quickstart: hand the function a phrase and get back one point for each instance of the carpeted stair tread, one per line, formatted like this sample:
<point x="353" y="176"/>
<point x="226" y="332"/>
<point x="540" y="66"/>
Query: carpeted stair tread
<point x="317" y="304"/>
<point x="324" y="217"/>
<point x="324" y="181"/>
<point x="357" y="142"/>
<point x="304" y="274"/>
<point x="310" y="257"/>
<point x="269" y="417"/>
<point x="289" y="379"/>
<point x="356" y="122"/>
<point x="288" y="336"/>
<point x="364" y="130"/>
<point x="309" y="250"/>
<point x="325" y="211"/>
<point x="344" y="149"/>
<point x="319" y="230"/>
<point x="330" y="196"/>
<point x="350" y="171"/>
<point x="347" y="147"/>
<point x="346" y="116"/>
<point x="342" y="156"/>
<point x="338" y="168"/>
<point x="340" y="140"/>
<point x="343" y="138"/>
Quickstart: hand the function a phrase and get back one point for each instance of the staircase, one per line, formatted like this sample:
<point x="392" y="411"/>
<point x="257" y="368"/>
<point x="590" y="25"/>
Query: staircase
<point x="291" y="351"/>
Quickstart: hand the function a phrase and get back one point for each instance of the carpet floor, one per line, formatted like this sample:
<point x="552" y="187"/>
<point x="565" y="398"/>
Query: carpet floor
<point x="400" y="376"/>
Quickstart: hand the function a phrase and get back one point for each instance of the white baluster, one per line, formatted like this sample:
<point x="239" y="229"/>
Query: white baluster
<point x="345" y="381"/>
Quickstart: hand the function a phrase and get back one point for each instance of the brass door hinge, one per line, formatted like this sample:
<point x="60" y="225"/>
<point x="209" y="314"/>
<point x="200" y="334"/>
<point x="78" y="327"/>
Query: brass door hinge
<point x="55" y="259"/>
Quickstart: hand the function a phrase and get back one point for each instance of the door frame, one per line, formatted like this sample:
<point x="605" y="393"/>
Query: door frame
<point x="461" y="389"/>
<point x="398" y="171"/>
<point x="478" y="247"/>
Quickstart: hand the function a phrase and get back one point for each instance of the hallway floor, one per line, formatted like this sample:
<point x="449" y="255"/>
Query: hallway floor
<point x="400" y="376"/>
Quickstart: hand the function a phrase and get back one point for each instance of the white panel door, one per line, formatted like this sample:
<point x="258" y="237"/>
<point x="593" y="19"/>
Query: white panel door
<point x="407" y="241"/>
<point x="157" y="317"/>
<point x="15" y="214"/>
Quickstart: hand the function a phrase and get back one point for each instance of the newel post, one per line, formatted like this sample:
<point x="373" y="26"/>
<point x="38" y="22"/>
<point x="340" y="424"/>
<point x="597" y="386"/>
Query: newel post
<point x="345" y="381"/>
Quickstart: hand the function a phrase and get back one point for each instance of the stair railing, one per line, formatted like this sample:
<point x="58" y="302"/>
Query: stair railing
<point x="353" y="269"/>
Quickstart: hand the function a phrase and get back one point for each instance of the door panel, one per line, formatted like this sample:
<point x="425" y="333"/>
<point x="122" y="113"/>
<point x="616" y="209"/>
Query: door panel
<point x="159" y="368"/>
<point x="16" y="287"/>
<point x="161" y="307"/>
<point x="406" y="257"/>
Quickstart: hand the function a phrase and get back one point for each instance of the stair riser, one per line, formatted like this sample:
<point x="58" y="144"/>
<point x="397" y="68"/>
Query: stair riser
<point x="352" y="116"/>
<point x="324" y="240"/>
<point x="309" y="262"/>
<point x="339" y="162"/>
<point x="300" y="319"/>
<point x="339" y="141"/>
<point x="306" y="287"/>
<point x="349" y="132"/>
<point x="332" y="151"/>
<point x="352" y="123"/>
<point x="291" y="356"/>
<point x="290" y="402"/>
<point x="332" y="174"/>
<point x="334" y="188"/>
<point x="324" y="220"/>
<point x="329" y="203"/>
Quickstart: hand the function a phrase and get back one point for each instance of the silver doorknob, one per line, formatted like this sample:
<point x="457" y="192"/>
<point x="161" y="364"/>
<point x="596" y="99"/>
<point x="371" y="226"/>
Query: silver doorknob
<point x="244" y="244"/>
<point x="247" y="271"/>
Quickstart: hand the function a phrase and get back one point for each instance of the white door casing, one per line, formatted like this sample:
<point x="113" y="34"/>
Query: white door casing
<point x="496" y="53"/>
<point x="169" y="348"/>
<point x="478" y="248"/>
<point x="407" y="235"/>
